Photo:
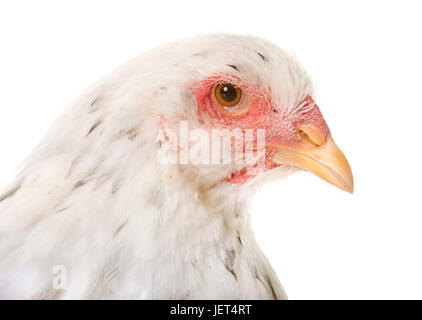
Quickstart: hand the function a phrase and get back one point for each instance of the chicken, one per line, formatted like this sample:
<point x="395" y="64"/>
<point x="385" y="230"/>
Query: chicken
<point x="120" y="200"/>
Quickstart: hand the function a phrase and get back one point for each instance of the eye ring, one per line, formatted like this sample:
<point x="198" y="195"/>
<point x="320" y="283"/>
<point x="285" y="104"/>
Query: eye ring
<point x="227" y="94"/>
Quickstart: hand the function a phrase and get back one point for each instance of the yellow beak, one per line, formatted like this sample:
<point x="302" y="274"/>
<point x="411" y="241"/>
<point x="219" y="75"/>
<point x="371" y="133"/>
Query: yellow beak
<point x="319" y="156"/>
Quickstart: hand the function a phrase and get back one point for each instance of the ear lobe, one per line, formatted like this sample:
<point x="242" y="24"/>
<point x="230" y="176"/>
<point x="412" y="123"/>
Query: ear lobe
<point x="167" y="140"/>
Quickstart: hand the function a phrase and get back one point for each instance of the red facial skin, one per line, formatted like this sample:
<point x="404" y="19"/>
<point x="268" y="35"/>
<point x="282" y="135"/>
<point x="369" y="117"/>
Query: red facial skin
<point x="261" y="113"/>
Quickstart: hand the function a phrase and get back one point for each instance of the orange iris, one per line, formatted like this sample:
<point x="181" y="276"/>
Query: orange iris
<point x="227" y="94"/>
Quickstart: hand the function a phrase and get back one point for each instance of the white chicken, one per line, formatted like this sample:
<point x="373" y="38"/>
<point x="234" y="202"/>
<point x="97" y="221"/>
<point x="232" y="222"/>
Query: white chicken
<point x="97" y="212"/>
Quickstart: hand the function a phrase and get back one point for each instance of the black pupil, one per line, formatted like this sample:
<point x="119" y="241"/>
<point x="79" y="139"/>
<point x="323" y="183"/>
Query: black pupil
<point x="228" y="93"/>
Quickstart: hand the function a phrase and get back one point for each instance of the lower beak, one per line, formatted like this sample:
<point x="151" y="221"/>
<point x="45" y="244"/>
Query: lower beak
<point x="323" y="158"/>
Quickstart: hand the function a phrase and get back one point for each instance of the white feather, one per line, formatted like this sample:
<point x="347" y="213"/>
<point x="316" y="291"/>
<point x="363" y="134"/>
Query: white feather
<point x="93" y="197"/>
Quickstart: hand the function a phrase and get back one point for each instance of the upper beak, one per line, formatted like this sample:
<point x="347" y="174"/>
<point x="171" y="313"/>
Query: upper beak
<point x="320" y="156"/>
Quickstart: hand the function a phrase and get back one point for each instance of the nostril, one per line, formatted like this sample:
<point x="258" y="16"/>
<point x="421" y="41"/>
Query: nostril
<point x="311" y="136"/>
<point x="304" y="138"/>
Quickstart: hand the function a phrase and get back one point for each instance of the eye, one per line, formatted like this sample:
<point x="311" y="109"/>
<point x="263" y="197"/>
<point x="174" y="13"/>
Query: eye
<point x="227" y="94"/>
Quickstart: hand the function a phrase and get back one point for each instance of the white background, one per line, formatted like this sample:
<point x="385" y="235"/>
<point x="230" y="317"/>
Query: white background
<point x="365" y="59"/>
